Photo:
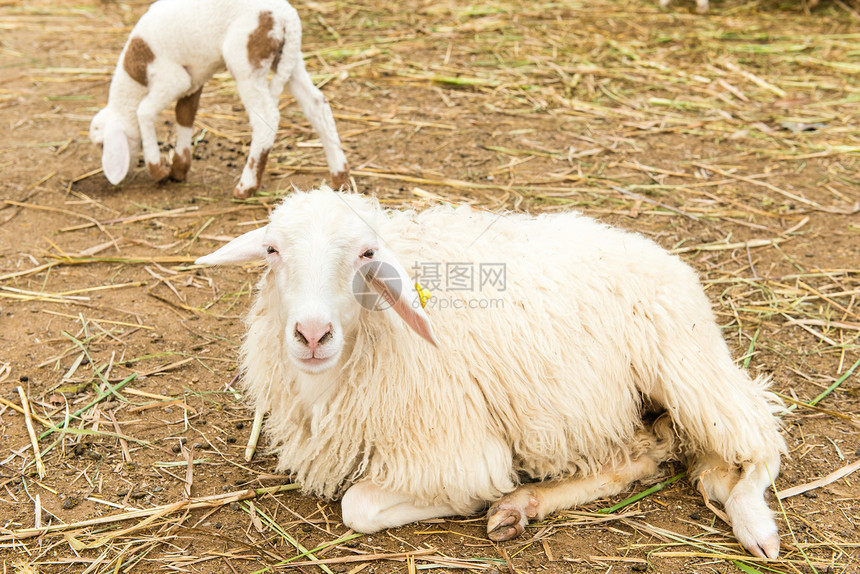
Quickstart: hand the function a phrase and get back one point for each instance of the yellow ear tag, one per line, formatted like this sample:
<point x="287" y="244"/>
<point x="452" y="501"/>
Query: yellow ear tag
<point x="423" y="294"/>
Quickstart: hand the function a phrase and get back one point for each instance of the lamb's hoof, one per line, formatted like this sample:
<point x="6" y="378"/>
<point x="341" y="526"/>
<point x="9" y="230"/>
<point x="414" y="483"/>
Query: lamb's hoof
<point x="243" y="193"/>
<point x="181" y="164"/>
<point x="508" y="516"/>
<point x="505" y="521"/>
<point x="158" y="172"/>
<point x="340" y="180"/>
<point x="178" y="173"/>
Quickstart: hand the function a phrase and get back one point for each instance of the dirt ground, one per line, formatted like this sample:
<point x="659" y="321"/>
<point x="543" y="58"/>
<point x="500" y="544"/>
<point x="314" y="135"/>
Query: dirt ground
<point x="732" y="138"/>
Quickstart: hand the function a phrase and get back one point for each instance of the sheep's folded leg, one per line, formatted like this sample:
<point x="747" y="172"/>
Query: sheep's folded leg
<point x="369" y="508"/>
<point x="741" y="491"/>
<point x="508" y="516"/>
<point x="255" y="435"/>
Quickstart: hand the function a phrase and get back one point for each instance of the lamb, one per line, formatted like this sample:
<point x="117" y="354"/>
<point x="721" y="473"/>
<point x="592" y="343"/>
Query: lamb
<point x="175" y="47"/>
<point x="600" y="360"/>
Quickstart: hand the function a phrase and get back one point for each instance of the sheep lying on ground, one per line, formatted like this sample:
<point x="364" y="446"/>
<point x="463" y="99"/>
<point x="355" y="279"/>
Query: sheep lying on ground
<point x="174" y="49"/>
<point x="593" y="334"/>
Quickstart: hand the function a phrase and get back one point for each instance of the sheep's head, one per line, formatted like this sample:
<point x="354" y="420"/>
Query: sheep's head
<point x="322" y="251"/>
<point x="119" y="141"/>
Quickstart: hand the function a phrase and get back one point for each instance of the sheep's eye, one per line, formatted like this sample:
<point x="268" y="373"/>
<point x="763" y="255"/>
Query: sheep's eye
<point x="270" y="249"/>
<point x="368" y="254"/>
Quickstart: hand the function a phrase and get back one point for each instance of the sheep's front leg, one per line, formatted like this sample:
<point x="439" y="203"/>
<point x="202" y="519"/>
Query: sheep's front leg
<point x="173" y="82"/>
<point x="317" y="110"/>
<point x="508" y="516"/>
<point x="368" y="508"/>
<point x="186" y="110"/>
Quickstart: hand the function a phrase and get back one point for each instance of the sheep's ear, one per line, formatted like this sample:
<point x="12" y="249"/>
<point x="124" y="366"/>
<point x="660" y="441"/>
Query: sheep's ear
<point x="115" y="156"/>
<point x="247" y="247"/>
<point x="401" y="295"/>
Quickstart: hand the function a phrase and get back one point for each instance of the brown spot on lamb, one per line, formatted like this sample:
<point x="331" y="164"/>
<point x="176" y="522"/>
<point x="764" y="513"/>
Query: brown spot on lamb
<point x="186" y="108"/>
<point x="261" y="46"/>
<point x="138" y="56"/>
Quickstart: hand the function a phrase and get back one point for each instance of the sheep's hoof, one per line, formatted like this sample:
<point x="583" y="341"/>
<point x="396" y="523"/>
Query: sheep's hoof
<point x="181" y="165"/>
<point x="507" y="517"/>
<point x="760" y="538"/>
<point x="764" y="545"/>
<point x="505" y="522"/>
<point x="178" y="173"/>
<point x="158" y="172"/>
<point x="241" y="193"/>
<point x="340" y="180"/>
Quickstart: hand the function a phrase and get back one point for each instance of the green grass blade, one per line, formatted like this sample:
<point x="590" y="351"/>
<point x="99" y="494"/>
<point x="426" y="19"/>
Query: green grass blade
<point x="838" y="382"/>
<point x="657" y="487"/>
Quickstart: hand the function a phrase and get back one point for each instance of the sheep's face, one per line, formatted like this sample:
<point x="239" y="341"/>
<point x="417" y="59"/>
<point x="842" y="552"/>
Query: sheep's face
<point x="312" y="257"/>
<point x="103" y="120"/>
<point x="97" y="127"/>
<point x="318" y="246"/>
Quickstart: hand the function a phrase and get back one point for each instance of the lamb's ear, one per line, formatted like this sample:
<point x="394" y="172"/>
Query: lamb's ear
<point x="401" y="295"/>
<point x="247" y="247"/>
<point x="115" y="156"/>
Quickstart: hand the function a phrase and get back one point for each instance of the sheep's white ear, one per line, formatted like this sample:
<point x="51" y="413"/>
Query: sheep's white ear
<point x="115" y="156"/>
<point x="247" y="247"/>
<point x="406" y="302"/>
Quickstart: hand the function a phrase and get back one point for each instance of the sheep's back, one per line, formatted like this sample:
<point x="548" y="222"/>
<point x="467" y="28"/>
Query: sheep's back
<point x="554" y="361"/>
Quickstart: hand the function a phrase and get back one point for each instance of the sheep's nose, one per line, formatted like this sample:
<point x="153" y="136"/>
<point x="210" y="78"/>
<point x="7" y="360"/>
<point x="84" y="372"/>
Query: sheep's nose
<point x="313" y="334"/>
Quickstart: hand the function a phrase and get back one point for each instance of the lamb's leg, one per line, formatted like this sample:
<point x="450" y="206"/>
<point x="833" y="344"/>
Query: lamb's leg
<point x="173" y="82"/>
<point x="253" y="86"/>
<point x="741" y="491"/>
<point x="316" y="109"/>
<point x="368" y="508"/>
<point x="508" y="516"/>
<point x="264" y="117"/>
<point x="186" y="110"/>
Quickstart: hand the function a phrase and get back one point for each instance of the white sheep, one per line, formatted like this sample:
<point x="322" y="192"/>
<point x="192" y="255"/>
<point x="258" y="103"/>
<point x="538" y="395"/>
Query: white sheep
<point x="593" y="328"/>
<point x="176" y="46"/>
